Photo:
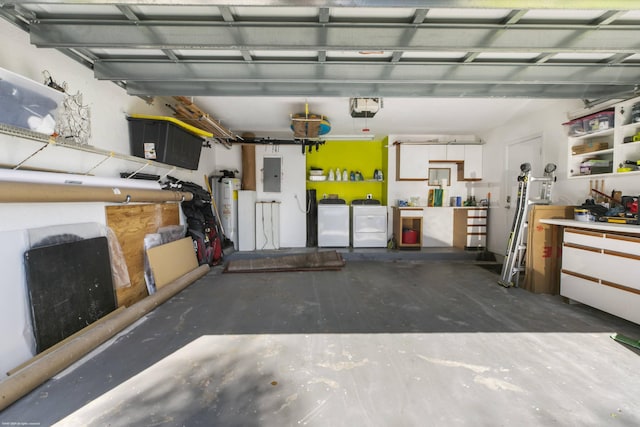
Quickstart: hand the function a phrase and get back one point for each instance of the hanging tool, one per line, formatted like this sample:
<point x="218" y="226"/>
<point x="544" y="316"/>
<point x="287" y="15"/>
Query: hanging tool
<point x="516" y="247"/>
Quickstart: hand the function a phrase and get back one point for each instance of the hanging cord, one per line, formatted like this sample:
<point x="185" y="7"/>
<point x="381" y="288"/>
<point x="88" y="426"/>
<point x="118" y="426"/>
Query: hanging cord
<point x="264" y="230"/>
<point x="295" y="196"/>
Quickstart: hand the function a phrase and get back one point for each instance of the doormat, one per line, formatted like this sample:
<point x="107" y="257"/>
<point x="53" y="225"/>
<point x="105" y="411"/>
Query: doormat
<point x="314" y="261"/>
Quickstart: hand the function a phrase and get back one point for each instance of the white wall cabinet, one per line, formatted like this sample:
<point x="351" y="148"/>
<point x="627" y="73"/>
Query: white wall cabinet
<point x="455" y="152"/>
<point x="413" y="160"/>
<point x="600" y="269"/>
<point x="472" y="162"/>
<point x="599" y="149"/>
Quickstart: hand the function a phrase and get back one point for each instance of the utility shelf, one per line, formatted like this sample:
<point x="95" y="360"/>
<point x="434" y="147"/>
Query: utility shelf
<point x="49" y="141"/>
<point x="366" y="181"/>
<point x="616" y="152"/>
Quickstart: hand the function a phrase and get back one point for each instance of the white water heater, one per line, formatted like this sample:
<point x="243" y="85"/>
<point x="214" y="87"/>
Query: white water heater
<point x="227" y="200"/>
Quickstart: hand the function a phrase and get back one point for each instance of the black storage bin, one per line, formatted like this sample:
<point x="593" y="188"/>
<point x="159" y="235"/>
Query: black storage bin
<point x="165" y="142"/>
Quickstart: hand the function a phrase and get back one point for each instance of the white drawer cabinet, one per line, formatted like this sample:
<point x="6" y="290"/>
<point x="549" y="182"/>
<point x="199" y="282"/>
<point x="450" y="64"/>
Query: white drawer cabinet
<point x="601" y="269"/>
<point x="470" y="228"/>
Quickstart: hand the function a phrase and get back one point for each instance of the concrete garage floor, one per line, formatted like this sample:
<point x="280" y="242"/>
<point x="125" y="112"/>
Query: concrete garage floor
<point x="380" y="343"/>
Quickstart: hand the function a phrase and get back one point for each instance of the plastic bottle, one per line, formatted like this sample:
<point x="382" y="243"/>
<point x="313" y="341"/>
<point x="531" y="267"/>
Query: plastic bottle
<point x="331" y="175"/>
<point x="345" y="175"/>
<point x="338" y="175"/>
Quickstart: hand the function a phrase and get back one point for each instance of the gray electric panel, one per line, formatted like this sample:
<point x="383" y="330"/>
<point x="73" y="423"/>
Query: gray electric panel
<point x="271" y="168"/>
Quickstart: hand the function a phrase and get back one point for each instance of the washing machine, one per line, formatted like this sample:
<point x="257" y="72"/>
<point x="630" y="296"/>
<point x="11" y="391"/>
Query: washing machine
<point x="333" y="223"/>
<point x="368" y="224"/>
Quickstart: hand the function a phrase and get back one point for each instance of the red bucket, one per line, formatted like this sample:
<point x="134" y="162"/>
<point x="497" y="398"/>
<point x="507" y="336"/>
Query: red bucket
<point x="409" y="237"/>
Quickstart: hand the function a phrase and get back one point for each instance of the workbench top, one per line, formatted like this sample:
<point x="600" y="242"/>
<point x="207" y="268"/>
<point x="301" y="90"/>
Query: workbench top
<point x="600" y="226"/>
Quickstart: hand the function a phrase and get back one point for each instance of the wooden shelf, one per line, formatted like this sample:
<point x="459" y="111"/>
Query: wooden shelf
<point x="410" y="217"/>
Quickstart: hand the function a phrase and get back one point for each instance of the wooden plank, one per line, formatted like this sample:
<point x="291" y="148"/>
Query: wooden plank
<point x="130" y="224"/>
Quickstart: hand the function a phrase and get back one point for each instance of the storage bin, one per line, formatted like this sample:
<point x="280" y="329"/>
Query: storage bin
<point x="409" y="236"/>
<point x="599" y="121"/>
<point x="605" y="119"/>
<point x="575" y="127"/>
<point x="27" y="104"/>
<point x="164" y="141"/>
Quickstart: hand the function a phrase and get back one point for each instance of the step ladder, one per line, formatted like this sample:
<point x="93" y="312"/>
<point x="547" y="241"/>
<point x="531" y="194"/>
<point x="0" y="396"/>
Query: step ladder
<point x="514" y="262"/>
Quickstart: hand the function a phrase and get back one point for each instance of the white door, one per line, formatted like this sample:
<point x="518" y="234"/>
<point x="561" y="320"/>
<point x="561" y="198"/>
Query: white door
<point x="518" y="152"/>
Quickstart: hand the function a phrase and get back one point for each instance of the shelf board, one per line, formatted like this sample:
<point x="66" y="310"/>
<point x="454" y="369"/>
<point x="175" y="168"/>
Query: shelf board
<point x="366" y="181"/>
<point x="630" y="125"/>
<point x="593" y="153"/>
<point x="48" y="140"/>
<point x="595" y="175"/>
<point x="604" y="132"/>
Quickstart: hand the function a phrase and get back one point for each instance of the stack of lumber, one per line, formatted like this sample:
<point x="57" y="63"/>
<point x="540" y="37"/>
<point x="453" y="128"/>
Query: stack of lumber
<point x="190" y="113"/>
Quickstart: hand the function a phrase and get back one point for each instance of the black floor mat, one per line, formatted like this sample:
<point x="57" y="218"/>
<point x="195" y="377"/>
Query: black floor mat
<point x="313" y="261"/>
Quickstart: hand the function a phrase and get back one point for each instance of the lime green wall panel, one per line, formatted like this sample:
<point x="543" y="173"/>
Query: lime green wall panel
<point x="362" y="156"/>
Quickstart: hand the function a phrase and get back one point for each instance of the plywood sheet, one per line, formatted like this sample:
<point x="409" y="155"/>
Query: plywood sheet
<point x="169" y="262"/>
<point x="69" y="286"/>
<point x="131" y="223"/>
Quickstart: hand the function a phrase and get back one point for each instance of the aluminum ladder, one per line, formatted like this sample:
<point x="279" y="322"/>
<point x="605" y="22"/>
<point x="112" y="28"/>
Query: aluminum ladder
<point x="514" y="262"/>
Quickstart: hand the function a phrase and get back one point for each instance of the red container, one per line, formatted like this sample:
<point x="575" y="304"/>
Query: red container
<point x="409" y="237"/>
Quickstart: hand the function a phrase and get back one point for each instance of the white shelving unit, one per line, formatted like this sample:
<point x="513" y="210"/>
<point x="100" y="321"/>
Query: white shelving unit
<point x="42" y="143"/>
<point x="617" y="151"/>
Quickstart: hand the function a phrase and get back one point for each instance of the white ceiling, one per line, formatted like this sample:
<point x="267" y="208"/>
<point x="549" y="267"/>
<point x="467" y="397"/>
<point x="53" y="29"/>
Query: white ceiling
<point x="270" y="116"/>
<point x="440" y="66"/>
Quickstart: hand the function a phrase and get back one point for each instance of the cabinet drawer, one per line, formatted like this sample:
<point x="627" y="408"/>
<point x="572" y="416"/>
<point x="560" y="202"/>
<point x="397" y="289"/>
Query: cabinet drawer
<point x="473" y="213"/>
<point x="620" y="269"/>
<point x="411" y="213"/>
<point x="583" y="237"/>
<point x="476" y="240"/>
<point x="477" y="220"/>
<point x="477" y="229"/>
<point x="623" y="244"/>
<point x="606" y="298"/>
<point x="582" y="261"/>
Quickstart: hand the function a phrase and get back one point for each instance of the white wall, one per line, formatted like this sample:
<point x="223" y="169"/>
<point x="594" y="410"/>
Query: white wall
<point x="292" y="197"/>
<point x="546" y="123"/>
<point x="108" y="105"/>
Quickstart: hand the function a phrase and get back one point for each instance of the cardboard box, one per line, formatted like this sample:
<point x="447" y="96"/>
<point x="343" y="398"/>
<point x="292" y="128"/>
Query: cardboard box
<point x="544" y="249"/>
<point x="589" y="147"/>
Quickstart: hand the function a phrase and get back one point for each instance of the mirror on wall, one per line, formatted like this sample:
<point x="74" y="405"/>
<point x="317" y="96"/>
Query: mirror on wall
<point x="440" y="176"/>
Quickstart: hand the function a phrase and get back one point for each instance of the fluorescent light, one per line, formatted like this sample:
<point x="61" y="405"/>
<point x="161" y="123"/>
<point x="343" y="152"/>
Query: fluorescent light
<point x="349" y="137"/>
